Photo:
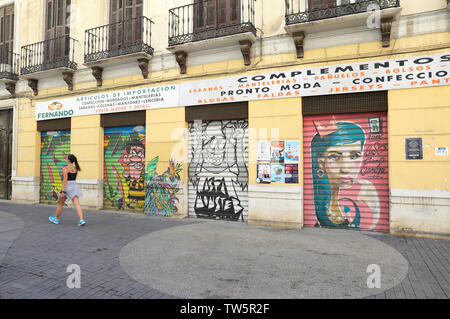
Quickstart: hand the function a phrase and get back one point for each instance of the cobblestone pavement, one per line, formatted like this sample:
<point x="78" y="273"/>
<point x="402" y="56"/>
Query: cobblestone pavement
<point x="33" y="261"/>
<point x="429" y="267"/>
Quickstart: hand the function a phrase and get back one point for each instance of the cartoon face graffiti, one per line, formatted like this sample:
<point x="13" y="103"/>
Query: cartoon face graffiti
<point x="214" y="150"/>
<point x="133" y="160"/>
<point x="213" y="145"/>
<point x="137" y="162"/>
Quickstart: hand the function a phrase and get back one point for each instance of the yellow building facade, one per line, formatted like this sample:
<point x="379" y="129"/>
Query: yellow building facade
<point x="170" y="108"/>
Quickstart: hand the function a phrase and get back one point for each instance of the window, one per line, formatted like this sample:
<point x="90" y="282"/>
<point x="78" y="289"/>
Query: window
<point x="57" y="44"/>
<point x="125" y="23"/>
<point x="215" y="13"/>
<point x="6" y="34"/>
<point x="321" y="4"/>
<point x="58" y="18"/>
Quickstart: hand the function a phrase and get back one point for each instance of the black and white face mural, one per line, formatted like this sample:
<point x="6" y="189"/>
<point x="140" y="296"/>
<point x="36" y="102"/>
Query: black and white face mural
<point x="218" y="168"/>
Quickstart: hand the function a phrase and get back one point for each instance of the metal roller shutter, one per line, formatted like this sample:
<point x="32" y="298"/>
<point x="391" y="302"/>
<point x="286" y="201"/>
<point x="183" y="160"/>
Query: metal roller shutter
<point x="55" y="147"/>
<point x="346" y="171"/>
<point x="124" y="168"/>
<point x="218" y="173"/>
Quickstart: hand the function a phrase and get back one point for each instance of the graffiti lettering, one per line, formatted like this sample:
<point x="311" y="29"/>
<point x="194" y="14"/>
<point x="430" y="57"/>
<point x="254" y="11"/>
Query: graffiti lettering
<point x="374" y="161"/>
<point x="213" y="201"/>
<point x="376" y="171"/>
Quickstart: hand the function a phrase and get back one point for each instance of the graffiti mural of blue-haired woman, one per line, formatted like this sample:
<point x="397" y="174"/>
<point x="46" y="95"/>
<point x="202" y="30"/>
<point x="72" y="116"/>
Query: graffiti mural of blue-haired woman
<point x="341" y="196"/>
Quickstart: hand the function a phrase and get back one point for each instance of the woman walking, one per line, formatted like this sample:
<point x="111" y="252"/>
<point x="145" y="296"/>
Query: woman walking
<point x="70" y="190"/>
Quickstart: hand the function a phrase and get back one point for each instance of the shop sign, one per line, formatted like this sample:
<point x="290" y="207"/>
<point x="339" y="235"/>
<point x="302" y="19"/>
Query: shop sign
<point x="400" y="73"/>
<point x="109" y="102"/>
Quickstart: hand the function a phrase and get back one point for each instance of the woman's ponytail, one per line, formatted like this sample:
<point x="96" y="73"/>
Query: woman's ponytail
<point x="72" y="158"/>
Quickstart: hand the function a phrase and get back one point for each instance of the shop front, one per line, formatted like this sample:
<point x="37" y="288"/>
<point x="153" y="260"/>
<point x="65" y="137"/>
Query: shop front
<point x="329" y="146"/>
<point x="55" y="148"/>
<point x="218" y="175"/>
<point x="55" y="145"/>
<point x="124" y="161"/>
<point x="346" y="180"/>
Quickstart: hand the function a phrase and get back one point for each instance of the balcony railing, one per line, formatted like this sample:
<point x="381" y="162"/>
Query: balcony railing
<point x="208" y="19"/>
<point x="297" y="11"/>
<point x="9" y="65"/>
<point x="48" y="55"/>
<point x="118" y="39"/>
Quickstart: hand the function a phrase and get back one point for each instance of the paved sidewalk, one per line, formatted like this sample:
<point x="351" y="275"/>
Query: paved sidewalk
<point x="115" y="253"/>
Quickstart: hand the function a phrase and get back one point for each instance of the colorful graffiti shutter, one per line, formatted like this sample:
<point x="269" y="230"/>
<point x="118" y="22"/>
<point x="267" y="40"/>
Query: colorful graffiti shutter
<point x="161" y="193"/>
<point x="218" y="173"/>
<point x="346" y="171"/>
<point x="55" y="147"/>
<point x="124" y="168"/>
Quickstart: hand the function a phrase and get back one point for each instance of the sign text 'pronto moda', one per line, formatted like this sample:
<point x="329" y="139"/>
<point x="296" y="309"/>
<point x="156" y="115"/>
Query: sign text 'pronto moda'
<point x="401" y="73"/>
<point x="381" y="75"/>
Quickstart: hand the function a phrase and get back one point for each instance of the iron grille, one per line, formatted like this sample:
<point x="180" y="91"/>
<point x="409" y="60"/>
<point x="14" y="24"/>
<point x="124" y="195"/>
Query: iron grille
<point x="298" y="11"/>
<point x="48" y="54"/>
<point x="9" y="65"/>
<point x="209" y="19"/>
<point x="118" y="39"/>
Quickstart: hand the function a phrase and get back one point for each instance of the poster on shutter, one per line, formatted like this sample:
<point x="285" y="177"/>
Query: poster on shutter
<point x="291" y="152"/>
<point x="346" y="171"/>
<point x="263" y="173"/>
<point x="277" y="151"/>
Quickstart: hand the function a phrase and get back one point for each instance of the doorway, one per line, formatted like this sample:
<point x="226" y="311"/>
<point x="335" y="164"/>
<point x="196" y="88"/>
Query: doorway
<point x="6" y="124"/>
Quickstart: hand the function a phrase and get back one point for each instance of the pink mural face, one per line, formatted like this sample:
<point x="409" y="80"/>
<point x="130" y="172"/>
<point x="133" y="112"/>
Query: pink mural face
<point x="342" y="164"/>
<point x="346" y="171"/>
